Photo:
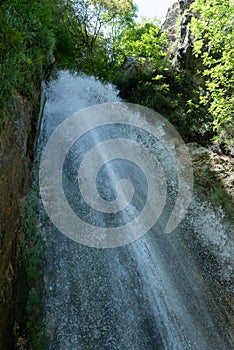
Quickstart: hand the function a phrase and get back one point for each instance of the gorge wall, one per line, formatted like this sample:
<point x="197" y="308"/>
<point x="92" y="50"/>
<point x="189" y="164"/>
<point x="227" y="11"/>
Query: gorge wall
<point x="16" y="152"/>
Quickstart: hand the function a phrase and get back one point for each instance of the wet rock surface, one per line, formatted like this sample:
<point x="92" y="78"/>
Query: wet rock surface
<point x="220" y="165"/>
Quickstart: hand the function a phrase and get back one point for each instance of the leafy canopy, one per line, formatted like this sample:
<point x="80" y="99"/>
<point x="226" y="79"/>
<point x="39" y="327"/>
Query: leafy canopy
<point x="142" y="41"/>
<point x="212" y="28"/>
<point x="95" y="26"/>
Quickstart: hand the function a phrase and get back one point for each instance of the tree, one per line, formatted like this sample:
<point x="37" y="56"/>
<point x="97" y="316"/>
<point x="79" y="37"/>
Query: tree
<point x="144" y="42"/>
<point x="212" y="28"/>
<point x="95" y="25"/>
<point x="26" y="47"/>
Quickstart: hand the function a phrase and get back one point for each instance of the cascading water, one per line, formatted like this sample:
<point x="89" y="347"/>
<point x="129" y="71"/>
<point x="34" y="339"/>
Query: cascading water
<point x="145" y="295"/>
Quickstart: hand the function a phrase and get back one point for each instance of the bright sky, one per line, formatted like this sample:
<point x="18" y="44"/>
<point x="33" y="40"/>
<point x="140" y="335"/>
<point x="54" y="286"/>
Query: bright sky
<point x="154" y="8"/>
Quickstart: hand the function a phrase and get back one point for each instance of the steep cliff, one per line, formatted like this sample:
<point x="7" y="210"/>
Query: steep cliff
<point x="16" y="151"/>
<point x="177" y="27"/>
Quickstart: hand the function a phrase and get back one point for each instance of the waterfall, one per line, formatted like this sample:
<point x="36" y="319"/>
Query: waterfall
<point x="147" y="294"/>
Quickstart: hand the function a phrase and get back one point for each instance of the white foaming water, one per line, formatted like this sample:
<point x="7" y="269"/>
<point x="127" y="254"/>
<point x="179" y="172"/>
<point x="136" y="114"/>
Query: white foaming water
<point x="69" y="94"/>
<point x="216" y="236"/>
<point x="147" y="295"/>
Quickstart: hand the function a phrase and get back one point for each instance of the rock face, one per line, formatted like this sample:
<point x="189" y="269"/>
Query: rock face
<point x="16" y="147"/>
<point x="130" y="65"/>
<point x="219" y="165"/>
<point x="184" y="36"/>
<point x="169" y="25"/>
<point x="184" y="4"/>
<point x="177" y="27"/>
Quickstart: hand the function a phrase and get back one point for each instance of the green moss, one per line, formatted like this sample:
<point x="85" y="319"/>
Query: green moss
<point x="32" y="255"/>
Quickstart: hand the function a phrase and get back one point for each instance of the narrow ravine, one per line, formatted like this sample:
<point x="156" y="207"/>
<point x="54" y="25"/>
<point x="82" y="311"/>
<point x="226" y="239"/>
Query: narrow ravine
<point x="149" y="294"/>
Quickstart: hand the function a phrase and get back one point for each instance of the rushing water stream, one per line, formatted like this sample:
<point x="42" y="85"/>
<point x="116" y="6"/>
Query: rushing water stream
<point x="146" y="295"/>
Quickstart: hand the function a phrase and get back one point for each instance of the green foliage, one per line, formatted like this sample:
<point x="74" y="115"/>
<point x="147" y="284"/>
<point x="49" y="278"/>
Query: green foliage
<point x="98" y="16"/>
<point x="146" y="81"/>
<point x="68" y="34"/>
<point x="143" y="81"/>
<point x="214" y="43"/>
<point x="171" y="93"/>
<point x="198" y="103"/>
<point x="152" y="82"/>
<point x="26" y="47"/>
<point x="94" y="26"/>
<point x="142" y="41"/>
<point x="32" y="263"/>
